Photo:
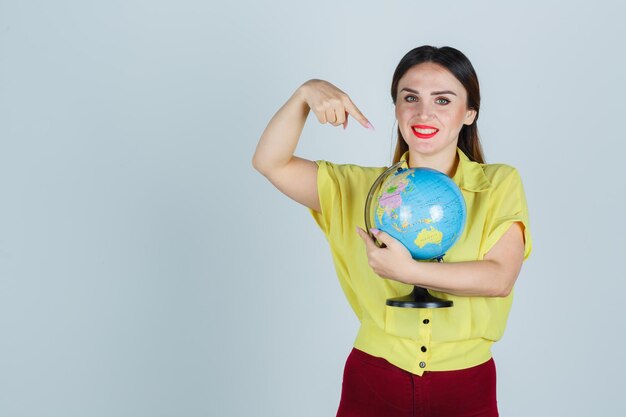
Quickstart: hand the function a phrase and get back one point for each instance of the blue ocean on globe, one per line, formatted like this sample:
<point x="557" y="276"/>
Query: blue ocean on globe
<point x="422" y="208"/>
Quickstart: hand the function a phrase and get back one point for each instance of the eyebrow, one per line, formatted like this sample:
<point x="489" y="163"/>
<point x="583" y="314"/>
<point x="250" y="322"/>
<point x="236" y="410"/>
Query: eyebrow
<point x="434" y="93"/>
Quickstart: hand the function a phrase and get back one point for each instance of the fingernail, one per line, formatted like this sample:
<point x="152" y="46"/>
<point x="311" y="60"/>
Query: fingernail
<point x="374" y="230"/>
<point x="369" y="126"/>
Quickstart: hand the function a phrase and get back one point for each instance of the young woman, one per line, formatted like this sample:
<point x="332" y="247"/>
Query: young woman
<point x="412" y="362"/>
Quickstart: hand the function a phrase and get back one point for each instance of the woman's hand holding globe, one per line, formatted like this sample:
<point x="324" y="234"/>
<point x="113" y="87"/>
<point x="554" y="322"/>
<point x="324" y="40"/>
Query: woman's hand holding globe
<point x="390" y="262"/>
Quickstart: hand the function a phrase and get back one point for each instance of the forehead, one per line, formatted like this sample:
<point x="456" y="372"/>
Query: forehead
<point x="430" y="77"/>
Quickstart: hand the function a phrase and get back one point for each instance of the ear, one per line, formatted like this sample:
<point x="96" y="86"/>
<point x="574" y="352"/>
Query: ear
<point x="470" y="116"/>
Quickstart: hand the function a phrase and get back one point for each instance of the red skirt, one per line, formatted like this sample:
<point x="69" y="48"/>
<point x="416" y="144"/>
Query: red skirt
<point x="374" y="387"/>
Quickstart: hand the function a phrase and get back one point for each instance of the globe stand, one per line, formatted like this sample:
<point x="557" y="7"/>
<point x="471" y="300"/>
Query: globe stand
<point x="419" y="298"/>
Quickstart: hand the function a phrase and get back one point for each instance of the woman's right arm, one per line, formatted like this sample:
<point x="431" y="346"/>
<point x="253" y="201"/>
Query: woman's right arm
<point x="274" y="157"/>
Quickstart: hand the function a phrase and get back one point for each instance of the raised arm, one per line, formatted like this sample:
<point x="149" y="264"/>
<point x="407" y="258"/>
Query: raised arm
<point x="274" y="156"/>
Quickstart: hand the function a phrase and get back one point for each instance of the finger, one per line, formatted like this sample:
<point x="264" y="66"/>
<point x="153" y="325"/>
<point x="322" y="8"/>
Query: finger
<point x="331" y="117"/>
<point x="383" y="237"/>
<point x="345" y="122"/>
<point x="362" y="234"/>
<point x="353" y="110"/>
<point x="338" y="121"/>
<point x="369" y="242"/>
<point x="340" y="114"/>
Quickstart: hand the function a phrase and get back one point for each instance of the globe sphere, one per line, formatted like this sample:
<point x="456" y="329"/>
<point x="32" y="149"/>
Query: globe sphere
<point x="421" y="207"/>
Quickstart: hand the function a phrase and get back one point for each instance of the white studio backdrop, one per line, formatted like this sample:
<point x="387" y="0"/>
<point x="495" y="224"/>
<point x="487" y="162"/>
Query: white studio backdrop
<point x="147" y="270"/>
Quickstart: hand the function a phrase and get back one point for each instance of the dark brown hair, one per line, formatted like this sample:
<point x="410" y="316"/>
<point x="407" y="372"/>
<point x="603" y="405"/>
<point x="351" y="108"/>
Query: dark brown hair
<point x="454" y="61"/>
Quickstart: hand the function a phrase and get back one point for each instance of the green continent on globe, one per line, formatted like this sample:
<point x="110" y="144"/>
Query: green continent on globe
<point x="427" y="236"/>
<point x="380" y="212"/>
<point x="391" y="197"/>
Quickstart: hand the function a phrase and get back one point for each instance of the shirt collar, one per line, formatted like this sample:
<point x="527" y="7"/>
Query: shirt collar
<point x="469" y="175"/>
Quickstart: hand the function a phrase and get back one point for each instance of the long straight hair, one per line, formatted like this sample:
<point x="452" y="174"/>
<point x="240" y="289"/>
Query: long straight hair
<point x="461" y="68"/>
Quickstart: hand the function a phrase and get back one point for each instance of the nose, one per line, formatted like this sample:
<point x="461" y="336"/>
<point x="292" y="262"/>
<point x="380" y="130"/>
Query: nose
<point x="423" y="110"/>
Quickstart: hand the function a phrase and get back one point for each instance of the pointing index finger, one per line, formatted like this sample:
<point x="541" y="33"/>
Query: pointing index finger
<point x="353" y="111"/>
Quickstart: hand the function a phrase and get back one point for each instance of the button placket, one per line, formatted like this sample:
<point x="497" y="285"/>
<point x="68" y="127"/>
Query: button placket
<point x="425" y="332"/>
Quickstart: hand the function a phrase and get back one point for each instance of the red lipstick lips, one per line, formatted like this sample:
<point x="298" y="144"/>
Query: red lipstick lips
<point x="424" y="132"/>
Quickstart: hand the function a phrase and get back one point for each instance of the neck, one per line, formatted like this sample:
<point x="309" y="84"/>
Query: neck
<point x="445" y="163"/>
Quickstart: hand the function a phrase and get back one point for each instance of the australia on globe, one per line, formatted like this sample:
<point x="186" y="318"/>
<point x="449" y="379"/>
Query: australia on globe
<point x="421" y="207"/>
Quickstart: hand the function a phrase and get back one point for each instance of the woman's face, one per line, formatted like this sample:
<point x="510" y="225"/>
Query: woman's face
<point x="431" y="108"/>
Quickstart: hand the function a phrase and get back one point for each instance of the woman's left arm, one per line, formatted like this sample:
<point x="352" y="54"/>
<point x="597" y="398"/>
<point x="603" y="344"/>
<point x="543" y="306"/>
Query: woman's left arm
<point x="494" y="276"/>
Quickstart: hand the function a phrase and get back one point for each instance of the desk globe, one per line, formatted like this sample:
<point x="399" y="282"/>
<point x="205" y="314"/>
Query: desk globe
<point x="423" y="209"/>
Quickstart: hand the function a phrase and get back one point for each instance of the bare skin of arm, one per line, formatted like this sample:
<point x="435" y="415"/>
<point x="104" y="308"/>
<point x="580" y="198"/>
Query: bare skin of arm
<point x="274" y="156"/>
<point x="494" y="276"/>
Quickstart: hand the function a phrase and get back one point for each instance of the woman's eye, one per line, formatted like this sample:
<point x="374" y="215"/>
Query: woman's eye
<point x="411" y="99"/>
<point x="442" y="100"/>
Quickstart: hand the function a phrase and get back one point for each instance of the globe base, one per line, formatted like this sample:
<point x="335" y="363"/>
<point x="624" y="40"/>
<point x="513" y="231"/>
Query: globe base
<point x="419" y="298"/>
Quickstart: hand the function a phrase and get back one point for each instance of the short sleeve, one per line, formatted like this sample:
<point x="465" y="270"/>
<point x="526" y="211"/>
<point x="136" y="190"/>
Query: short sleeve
<point x="329" y="196"/>
<point x="342" y="190"/>
<point x="508" y="206"/>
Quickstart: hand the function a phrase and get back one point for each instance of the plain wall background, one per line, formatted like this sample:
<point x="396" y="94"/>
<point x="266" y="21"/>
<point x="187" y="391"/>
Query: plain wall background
<point x="147" y="270"/>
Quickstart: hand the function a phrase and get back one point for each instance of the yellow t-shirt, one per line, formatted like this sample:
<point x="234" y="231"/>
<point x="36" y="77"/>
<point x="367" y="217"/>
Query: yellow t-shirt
<point x="419" y="340"/>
